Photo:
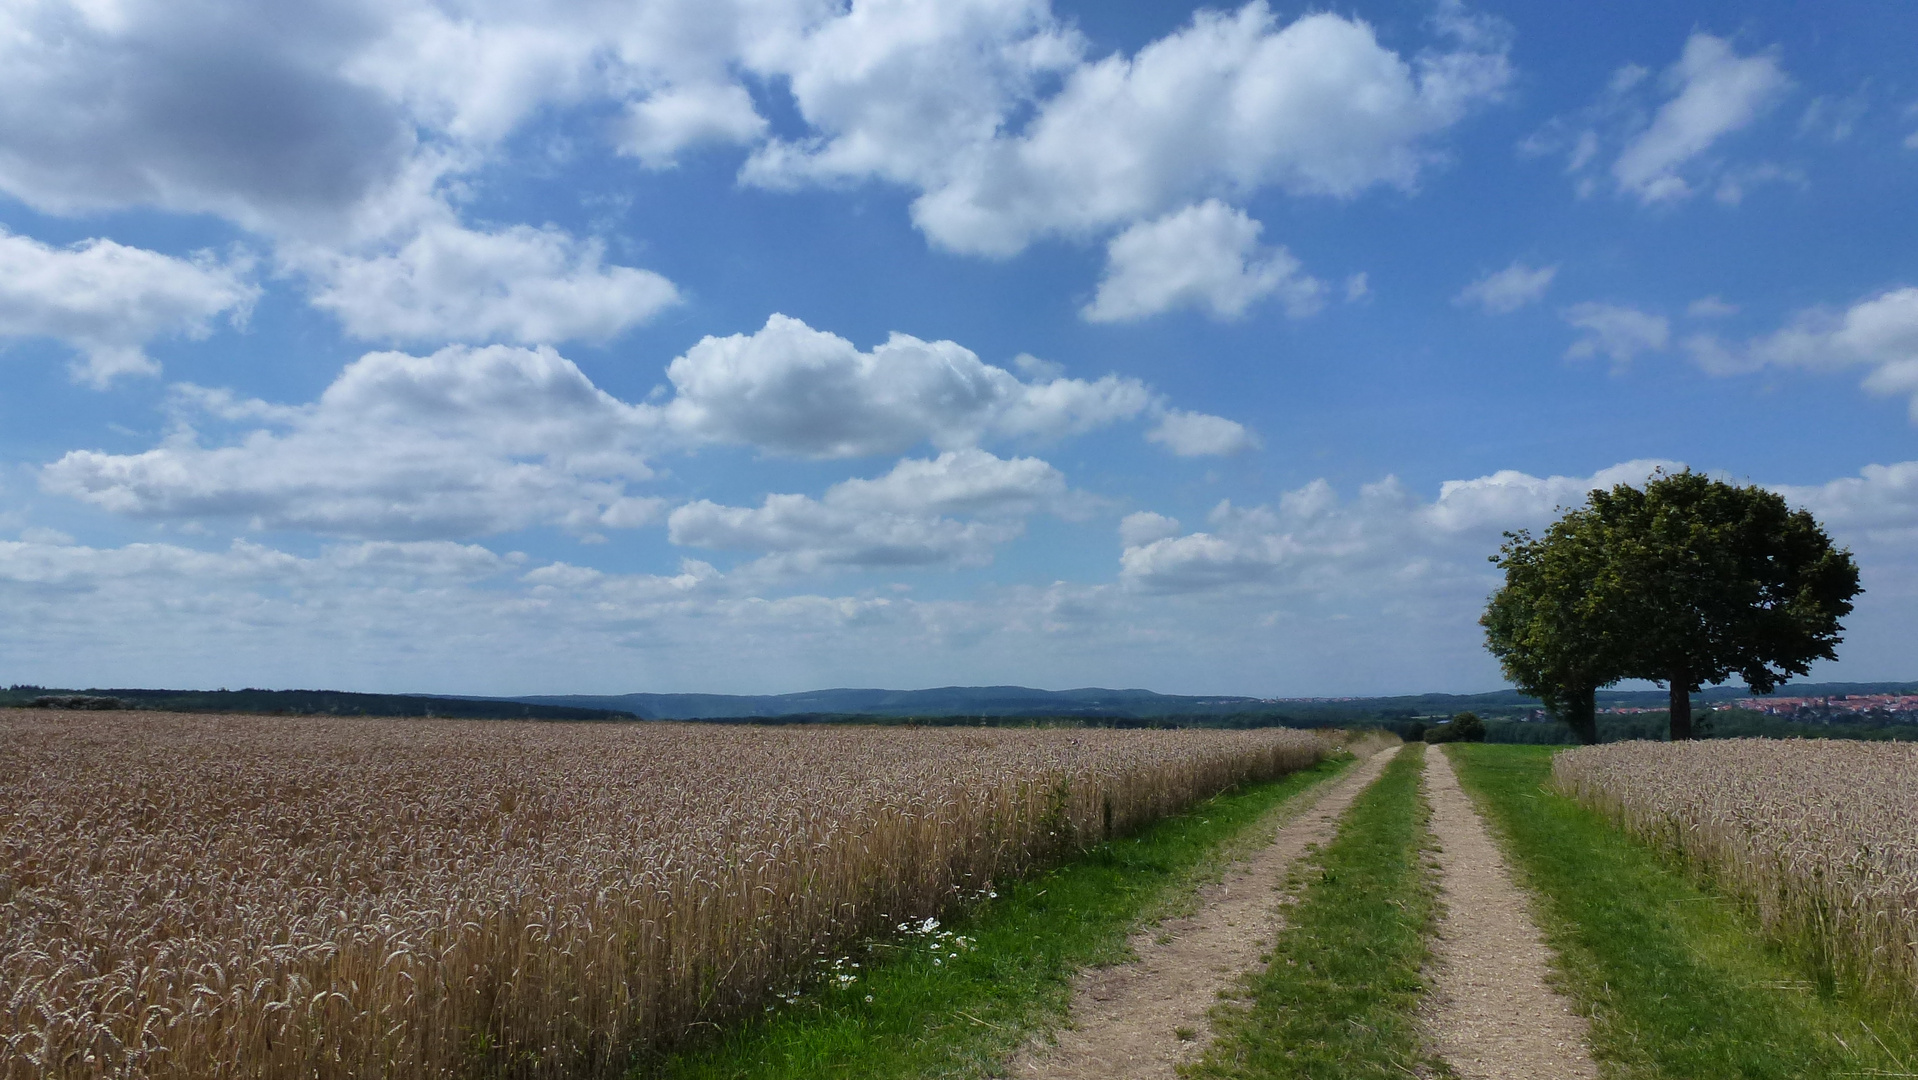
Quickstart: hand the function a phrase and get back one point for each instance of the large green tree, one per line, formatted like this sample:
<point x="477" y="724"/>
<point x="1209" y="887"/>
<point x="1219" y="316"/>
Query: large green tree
<point x="1549" y="625"/>
<point x="1711" y="580"/>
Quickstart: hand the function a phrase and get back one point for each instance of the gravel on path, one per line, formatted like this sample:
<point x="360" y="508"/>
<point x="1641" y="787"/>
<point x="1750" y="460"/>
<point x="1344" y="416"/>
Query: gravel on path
<point x="1492" y="1014"/>
<point x="1143" y="1019"/>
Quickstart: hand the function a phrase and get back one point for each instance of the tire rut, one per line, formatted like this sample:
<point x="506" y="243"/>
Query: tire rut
<point x="1492" y="1013"/>
<point x="1142" y="1019"/>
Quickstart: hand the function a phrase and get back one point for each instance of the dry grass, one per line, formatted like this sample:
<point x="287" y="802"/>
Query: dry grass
<point x="249" y="896"/>
<point x="1821" y="837"/>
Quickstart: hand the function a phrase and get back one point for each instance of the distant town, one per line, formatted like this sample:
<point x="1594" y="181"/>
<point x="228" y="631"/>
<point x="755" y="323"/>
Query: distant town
<point x="1812" y="710"/>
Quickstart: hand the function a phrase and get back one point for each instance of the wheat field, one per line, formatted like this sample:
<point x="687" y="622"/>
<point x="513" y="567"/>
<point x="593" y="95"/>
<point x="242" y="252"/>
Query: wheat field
<point x="226" y="896"/>
<point x="1819" y="836"/>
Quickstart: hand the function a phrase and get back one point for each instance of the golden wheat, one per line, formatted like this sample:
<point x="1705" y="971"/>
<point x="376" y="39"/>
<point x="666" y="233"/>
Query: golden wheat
<point x="1820" y="837"/>
<point x="194" y="896"/>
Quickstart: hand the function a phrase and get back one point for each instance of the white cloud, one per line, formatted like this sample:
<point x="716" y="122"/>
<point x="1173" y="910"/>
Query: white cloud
<point x="1710" y="307"/>
<point x="1879" y="333"/>
<point x="1735" y="182"/>
<point x="192" y="108"/>
<point x="463" y="442"/>
<point x="1316" y="594"/>
<point x="108" y="300"/>
<point x="1619" y="332"/>
<point x="1357" y="287"/>
<point x="1507" y="290"/>
<point x="1192" y="434"/>
<point x="1716" y="92"/>
<point x="1667" y="132"/>
<point x="330" y="121"/>
<point x="1878" y="507"/>
<point x="1036" y="368"/>
<point x="1510" y="499"/>
<point x="474" y="441"/>
<point x="1229" y="104"/>
<point x="658" y="128"/>
<point x="909" y="517"/>
<point x="790" y="389"/>
<point x="1386" y="539"/>
<point x="350" y="136"/>
<point x="1206" y="257"/>
<point x="520" y="284"/>
<point x="1142" y="528"/>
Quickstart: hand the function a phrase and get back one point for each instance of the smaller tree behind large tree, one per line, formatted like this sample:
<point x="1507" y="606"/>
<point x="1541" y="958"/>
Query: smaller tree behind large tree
<point x="1712" y="580"/>
<point x="1549" y="625"/>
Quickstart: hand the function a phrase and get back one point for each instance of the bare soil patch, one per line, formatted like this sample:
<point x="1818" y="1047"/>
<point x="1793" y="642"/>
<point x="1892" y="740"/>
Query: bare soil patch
<point x="1143" y="1019"/>
<point x="1492" y="1014"/>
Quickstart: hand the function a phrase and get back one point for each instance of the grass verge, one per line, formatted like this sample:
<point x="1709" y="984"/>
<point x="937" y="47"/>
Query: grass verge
<point x="957" y="1001"/>
<point x="1340" y="996"/>
<point x="1677" y="980"/>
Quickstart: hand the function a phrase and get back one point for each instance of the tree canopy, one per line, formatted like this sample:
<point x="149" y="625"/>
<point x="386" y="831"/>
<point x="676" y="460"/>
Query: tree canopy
<point x="1549" y="625"/>
<point x="1686" y="581"/>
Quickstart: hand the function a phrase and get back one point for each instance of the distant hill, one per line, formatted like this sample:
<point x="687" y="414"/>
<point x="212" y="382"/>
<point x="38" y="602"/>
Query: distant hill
<point x="941" y="701"/>
<point x="322" y="702"/>
<point x="946" y="704"/>
<point x="1096" y="703"/>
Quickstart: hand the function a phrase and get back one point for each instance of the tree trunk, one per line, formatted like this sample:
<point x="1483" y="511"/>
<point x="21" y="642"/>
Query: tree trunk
<point x="1581" y="714"/>
<point x="1681" y="708"/>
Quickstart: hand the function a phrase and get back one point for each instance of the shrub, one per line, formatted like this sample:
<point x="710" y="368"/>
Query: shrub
<point x="1465" y="727"/>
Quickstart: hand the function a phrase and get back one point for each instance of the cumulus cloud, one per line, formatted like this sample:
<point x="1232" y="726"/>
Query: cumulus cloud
<point x="1142" y="528"/>
<point x="350" y="134"/>
<point x="790" y="389"/>
<point x="1206" y="257"/>
<point x="1618" y="332"/>
<point x="1878" y="507"/>
<point x="1505" y="291"/>
<point x="463" y="442"/>
<point x="1191" y="434"/>
<point x="1317" y="590"/>
<point x="912" y="516"/>
<point x="1664" y="131"/>
<point x="658" y="128"/>
<point x="107" y="300"/>
<point x="341" y="119"/>
<point x="1232" y="102"/>
<point x="1878" y="333"/>
<point x="1386" y="538"/>
<point x="191" y="107"/>
<point x="519" y="284"/>
<point x="471" y="441"/>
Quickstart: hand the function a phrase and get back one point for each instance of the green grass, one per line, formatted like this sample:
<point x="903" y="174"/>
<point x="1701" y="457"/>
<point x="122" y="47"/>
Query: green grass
<point x="920" y="1012"/>
<point x="1340" y="996"/>
<point x="1678" y="981"/>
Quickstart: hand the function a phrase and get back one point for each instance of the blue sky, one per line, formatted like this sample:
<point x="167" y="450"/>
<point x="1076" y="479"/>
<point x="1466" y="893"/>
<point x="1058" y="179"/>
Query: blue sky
<point x="765" y="345"/>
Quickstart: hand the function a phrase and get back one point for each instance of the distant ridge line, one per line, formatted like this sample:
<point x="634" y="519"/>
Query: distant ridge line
<point x="1016" y="701"/>
<point x="945" y="703"/>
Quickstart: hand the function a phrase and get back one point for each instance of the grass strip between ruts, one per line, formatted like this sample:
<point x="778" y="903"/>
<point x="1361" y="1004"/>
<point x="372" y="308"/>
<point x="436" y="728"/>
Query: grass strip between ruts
<point x="956" y="1011"/>
<point x="1341" y="994"/>
<point x="1678" y="981"/>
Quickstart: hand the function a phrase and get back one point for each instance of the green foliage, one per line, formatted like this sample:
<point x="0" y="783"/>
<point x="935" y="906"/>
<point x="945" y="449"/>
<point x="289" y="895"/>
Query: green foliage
<point x="1465" y="727"/>
<point x="1551" y="626"/>
<point x="908" y="1017"/>
<point x="1341" y="995"/>
<point x="1687" y="581"/>
<point x="1678" y="982"/>
<point x="1715" y="580"/>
